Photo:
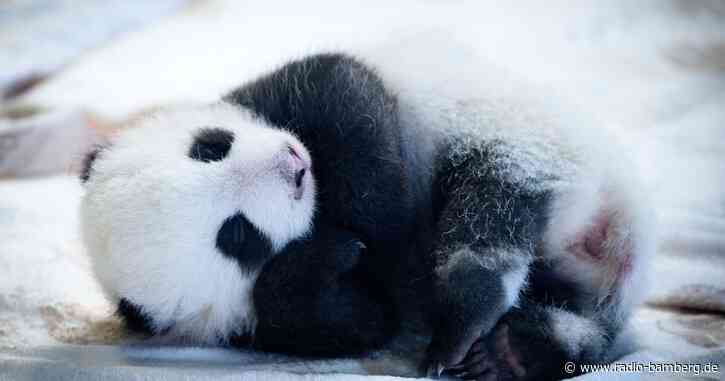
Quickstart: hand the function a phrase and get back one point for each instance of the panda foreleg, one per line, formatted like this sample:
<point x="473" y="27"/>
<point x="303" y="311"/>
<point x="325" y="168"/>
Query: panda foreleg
<point x="487" y="230"/>
<point x="471" y="297"/>
<point x="310" y="300"/>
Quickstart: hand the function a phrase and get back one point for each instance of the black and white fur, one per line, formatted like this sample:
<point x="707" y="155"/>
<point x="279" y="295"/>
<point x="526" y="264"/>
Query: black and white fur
<point x="152" y="216"/>
<point x="515" y="235"/>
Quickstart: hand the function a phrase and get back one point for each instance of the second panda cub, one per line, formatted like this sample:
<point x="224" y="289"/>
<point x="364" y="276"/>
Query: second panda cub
<point x="327" y="205"/>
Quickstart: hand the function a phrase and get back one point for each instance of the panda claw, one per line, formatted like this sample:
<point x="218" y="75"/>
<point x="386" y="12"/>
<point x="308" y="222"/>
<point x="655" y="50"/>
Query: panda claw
<point x="435" y="370"/>
<point x="491" y="357"/>
<point x="473" y="357"/>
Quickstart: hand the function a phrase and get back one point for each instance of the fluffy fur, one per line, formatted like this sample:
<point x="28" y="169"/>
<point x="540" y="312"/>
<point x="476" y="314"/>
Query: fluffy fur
<point x="151" y="216"/>
<point x="463" y="203"/>
<point x="534" y="192"/>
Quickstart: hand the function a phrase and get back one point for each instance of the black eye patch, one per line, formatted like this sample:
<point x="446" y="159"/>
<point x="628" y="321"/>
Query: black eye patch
<point x="211" y="144"/>
<point x="240" y="240"/>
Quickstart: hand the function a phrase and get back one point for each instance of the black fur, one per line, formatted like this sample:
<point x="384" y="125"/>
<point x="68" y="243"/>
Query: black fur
<point x="484" y="218"/>
<point x="546" y="287"/>
<point x="341" y="111"/>
<point x="523" y="334"/>
<point x="427" y="234"/>
<point x="437" y="244"/>
<point x="322" y="291"/>
<point x="537" y="346"/>
<point x="211" y="144"/>
<point x="239" y="239"/>
<point x="331" y="101"/>
<point x="499" y="212"/>
<point x="314" y="302"/>
<point x="133" y="317"/>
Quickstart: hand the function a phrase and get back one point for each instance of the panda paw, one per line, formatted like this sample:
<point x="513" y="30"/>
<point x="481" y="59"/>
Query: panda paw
<point x="320" y="259"/>
<point x="347" y="255"/>
<point x="516" y="349"/>
<point x="337" y="250"/>
<point x="493" y="357"/>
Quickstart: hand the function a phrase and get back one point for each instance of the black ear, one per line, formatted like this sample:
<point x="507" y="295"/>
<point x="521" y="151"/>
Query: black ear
<point x="88" y="160"/>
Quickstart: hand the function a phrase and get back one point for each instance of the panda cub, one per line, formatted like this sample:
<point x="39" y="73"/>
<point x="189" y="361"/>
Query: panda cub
<point x="327" y="206"/>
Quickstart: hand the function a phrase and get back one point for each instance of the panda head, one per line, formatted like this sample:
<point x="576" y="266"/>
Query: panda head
<point x="182" y="210"/>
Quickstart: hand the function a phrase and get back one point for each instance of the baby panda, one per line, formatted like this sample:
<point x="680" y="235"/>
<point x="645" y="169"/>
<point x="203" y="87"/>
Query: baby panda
<point x="181" y="212"/>
<point x="328" y="205"/>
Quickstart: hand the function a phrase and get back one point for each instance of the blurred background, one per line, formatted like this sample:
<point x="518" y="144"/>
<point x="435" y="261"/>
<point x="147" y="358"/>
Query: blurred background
<point x="73" y="71"/>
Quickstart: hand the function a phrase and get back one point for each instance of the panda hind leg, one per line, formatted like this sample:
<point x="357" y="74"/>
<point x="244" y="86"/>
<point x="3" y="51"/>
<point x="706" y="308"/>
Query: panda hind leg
<point x="487" y="231"/>
<point x="578" y="297"/>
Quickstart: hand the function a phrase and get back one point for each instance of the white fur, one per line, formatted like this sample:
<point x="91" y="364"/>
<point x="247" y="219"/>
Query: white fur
<point x="149" y="207"/>
<point x="573" y="331"/>
<point x="607" y="184"/>
<point x="513" y="282"/>
<point x="546" y="138"/>
<point x="151" y="214"/>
